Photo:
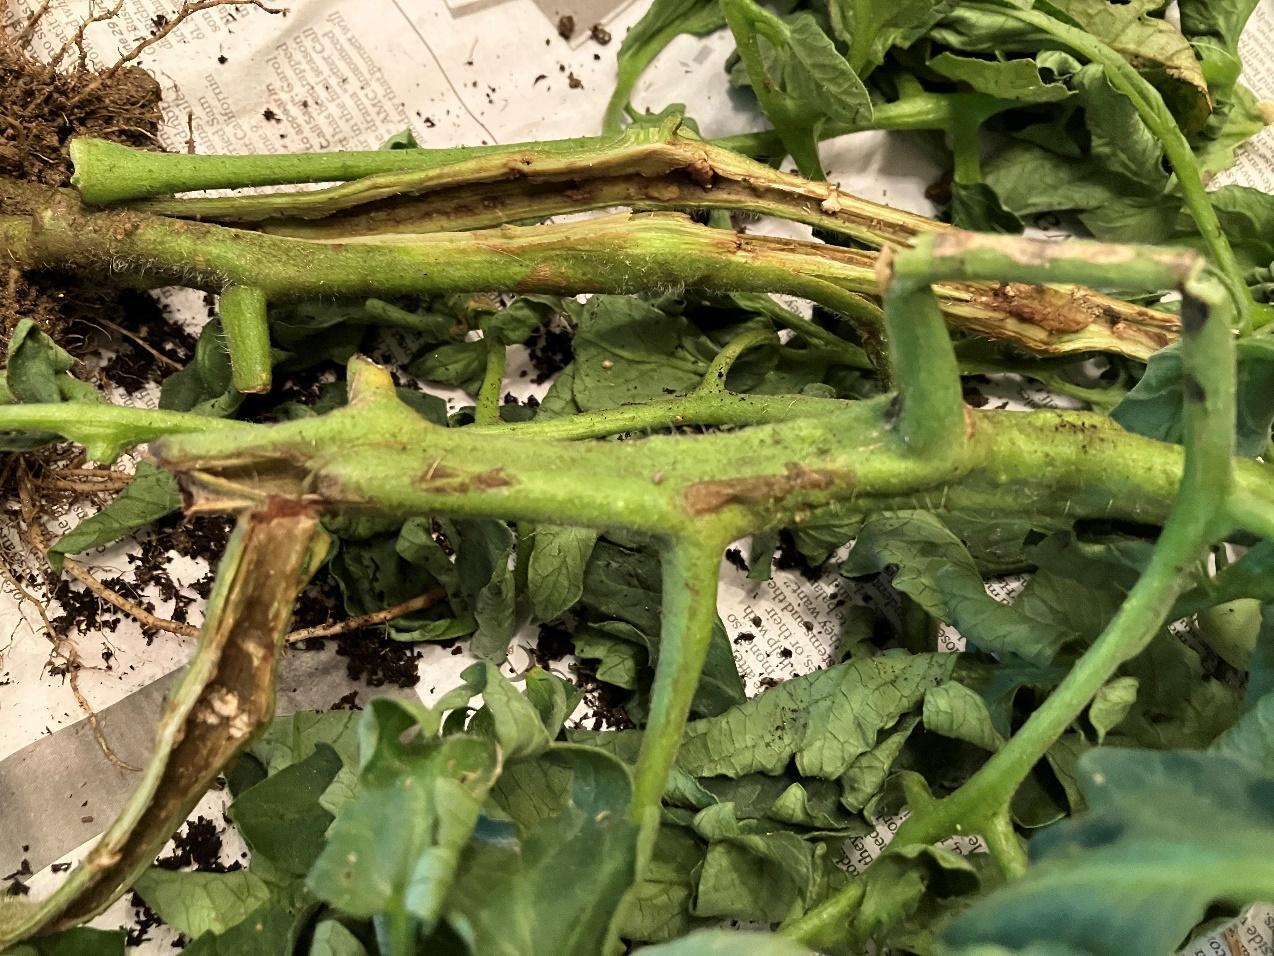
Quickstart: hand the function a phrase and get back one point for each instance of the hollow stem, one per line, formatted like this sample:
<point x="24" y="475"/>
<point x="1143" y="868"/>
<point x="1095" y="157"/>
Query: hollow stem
<point x="616" y="254"/>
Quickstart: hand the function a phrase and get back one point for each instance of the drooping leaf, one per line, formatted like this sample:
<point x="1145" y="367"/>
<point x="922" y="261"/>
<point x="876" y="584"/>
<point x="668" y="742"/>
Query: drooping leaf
<point x="555" y="576"/>
<point x="659" y="904"/>
<point x="1154" y="407"/>
<point x="935" y="570"/>
<point x="203" y="386"/>
<point x="508" y="717"/>
<point x="873" y="27"/>
<point x="759" y="874"/>
<point x="956" y="711"/>
<point x="197" y="903"/>
<point x="152" y="494"/>
<point x="552" y="886"/>
<point x="37" y="369"/>
<point x="1136" y="872"/>
<point x="433" y="789"/>
<point x="281" y="818"/>
<point x="825" y="720"/>
<point x="1016" y="78"/>
<point x="1112" y="704"/>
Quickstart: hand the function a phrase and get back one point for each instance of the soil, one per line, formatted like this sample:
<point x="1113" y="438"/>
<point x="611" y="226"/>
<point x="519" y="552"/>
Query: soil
<point x="42" y="105"/>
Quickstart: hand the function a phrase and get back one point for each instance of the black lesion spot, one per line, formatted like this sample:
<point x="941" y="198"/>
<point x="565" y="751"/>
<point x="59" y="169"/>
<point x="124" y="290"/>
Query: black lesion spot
<point x="894" y="411"/>
<point x="1193" y="390"/>
<point x="1194" y="315"/>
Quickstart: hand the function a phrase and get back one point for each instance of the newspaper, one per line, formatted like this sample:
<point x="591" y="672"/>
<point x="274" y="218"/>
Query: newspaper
<point x="348" y="74"/>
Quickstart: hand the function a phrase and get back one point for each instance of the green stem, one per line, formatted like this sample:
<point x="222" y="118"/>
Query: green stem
<point x="1159" y="119"/>
<point x="714" y="380"/>
<point x="931" y="420"/>
<point x="689" y="569"/>
<point x="924" y="111"/>
<point x="748" y="22"/>
<point x="700" y="407"/>
<point x="616" y="254"/>
<point x="243" y="319"/>
<point x="107" y="172"/>
<point x="487" y="410"/>
<point x="1004" y="845"/>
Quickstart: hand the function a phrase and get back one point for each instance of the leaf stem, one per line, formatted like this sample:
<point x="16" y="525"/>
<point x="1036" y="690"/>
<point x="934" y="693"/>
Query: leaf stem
<point x="690" y="567"/>
<point x="243" y="318"/>
<point x="487" y="410"/>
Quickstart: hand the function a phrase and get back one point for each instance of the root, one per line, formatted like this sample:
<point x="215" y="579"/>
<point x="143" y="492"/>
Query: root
<point x="188" y="9"/>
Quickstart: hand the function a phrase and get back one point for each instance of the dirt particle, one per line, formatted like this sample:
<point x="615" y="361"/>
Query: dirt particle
<point x="566" y="26"/>
<point x="599" y="34"/>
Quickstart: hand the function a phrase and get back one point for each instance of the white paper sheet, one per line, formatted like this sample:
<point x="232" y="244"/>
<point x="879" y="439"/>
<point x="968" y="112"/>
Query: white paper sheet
<point x="347" y="74"/>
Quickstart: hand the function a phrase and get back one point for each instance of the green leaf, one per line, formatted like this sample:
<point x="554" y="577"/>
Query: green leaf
<point x="433" y="792"/>
<point x="624" y="584"/>
<point x="333" y="939"/>
<point x="80" y="941"/>
<point x="555" y="575"/>
<point x="1136" y="872"/>
<point x="1016" y="79"/>
<point x="1231" y="630"/>
<point x="1154" y="407"/>
<point x="551" y="887"/>
<point x="1111" y="705"/>
<point x="281" y="819"/>
<point x="825" y="720"/>
<point x="756" y="874"/>
<point x="819" y="78"/>
<point x="1121" y="141"/>
<point x="273" y="928"/>
<point x="197" y="903"/>
<point x="203" y="386"/>
<point x="458" y="363"/>
<point x="663" y="22"/>
<point x="152" y="494"/>
<point x="484" y="552"/>
<point x="1030" y="180"/>
<point x="507" y="717"/>
<point x="718" y="942"/>
<point x="936" y="571"/>
<point x="37" y="371"/>
<point x="1247" y="219"/>
<point x="956" y="711"/>
<point x="975" y="206"/>
<point x="872" y="27"/>
<point x="626" y="350"/>
<point x="1214" y="28"/>
<point x="621" y="660"/>
<point x="659" y="904"/>
<point x="1250" y="740"/>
